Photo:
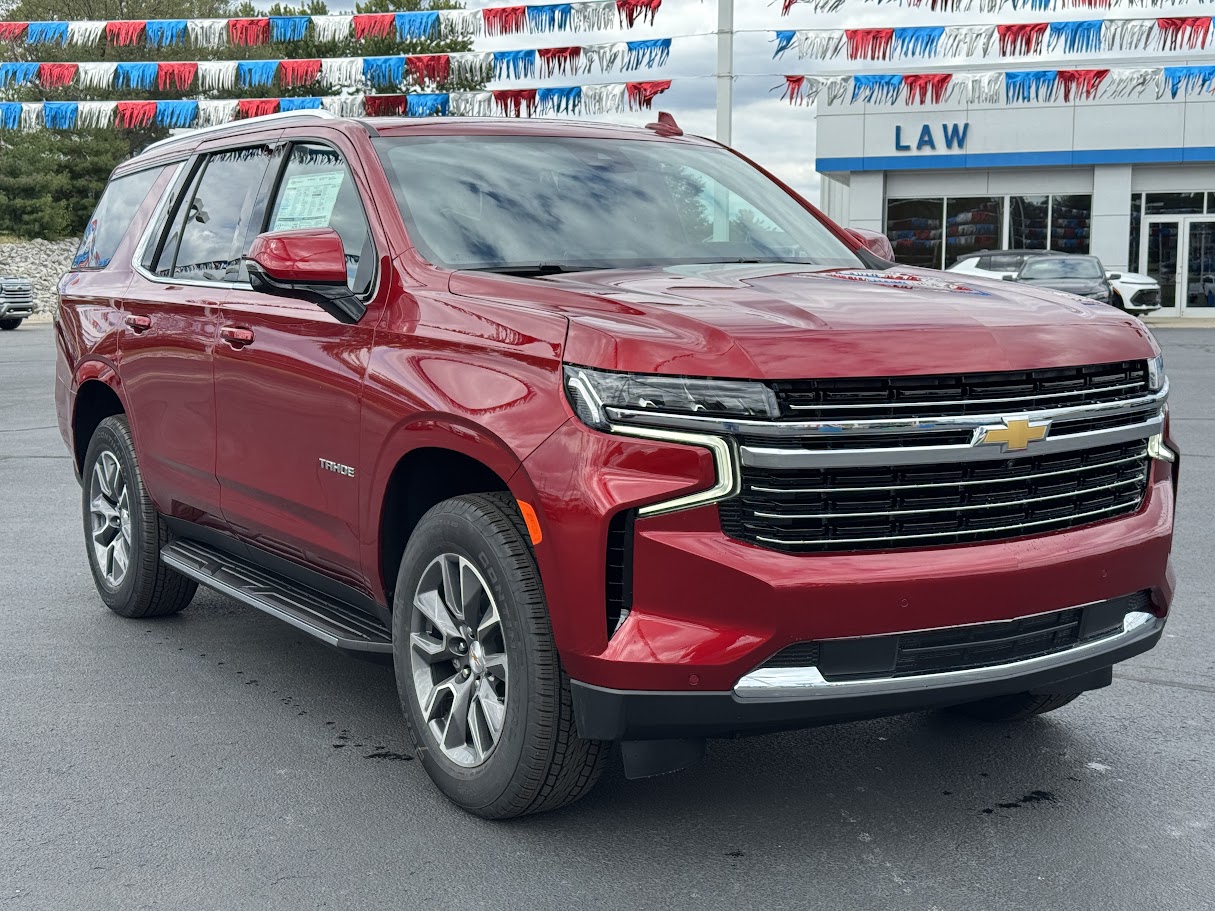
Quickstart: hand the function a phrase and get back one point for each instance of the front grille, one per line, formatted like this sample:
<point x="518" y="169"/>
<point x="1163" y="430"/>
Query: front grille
<point x="805" y="510"/>
<point x="1148" y="297"/>
<point x="961" y="648"/>
<point x="963" y="394"/>
<point x="18" y="298"/>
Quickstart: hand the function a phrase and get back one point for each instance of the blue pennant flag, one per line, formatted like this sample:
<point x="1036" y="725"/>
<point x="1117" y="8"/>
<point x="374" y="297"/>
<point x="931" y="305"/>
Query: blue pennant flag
<point x="412" y="26"/>
<point x="163" y="32"/>
<point x="514" y="64"/>
<point x="176" y="113"/>
<point x="288" y="28"/>
<point x="551" y="17"/>
<point x="307" y="103"/>
<point x="427" y="105"/>
<point x="256" y="72"/>
<point x="1030" y="85"/>
<point x="784" y="41"/>
<point x="653" y="52"/>
<point x="17" y="73"/>
<point x="1078" y="36"/>
<point x="46" y="33"/>
<point x="877" y="89"/>
<point x="135" y="76"/>
<point x="561" y="100"/>
<point x="59" y="115"/>
<point x="10" y="115"/>
<point x="920" y="41"/>
<point x="1185" y="78"/>
<point x="384" y="70"/>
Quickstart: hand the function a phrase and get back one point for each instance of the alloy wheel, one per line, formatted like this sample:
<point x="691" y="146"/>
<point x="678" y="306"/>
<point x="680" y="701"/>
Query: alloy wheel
<point x="458" y="659"/>
<point x="110" y="512"/>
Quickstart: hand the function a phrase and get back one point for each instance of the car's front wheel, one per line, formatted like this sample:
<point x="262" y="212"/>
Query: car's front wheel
<point x="9" y="324"/>
<point x="487" y="703"/>
<point x="123" y="532"/>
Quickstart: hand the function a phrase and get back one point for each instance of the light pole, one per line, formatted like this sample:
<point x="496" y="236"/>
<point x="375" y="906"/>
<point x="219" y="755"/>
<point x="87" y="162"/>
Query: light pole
<point x="725" y="69"/>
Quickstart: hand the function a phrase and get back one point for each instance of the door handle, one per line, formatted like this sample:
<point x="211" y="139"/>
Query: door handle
<point x="138" y="323"/>
<point x="236" y="336"/>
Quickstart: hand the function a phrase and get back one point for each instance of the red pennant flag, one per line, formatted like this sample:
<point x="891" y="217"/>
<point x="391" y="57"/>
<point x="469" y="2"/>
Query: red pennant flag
<point x="642" y="94"/>
<point x="1085" y="83"/>
<point x="298" y="72"/>
<point x="56" y="74"/>
<point x="793" y="87"/>
<point x="869" y="43"/>
<point x="1183" y="32"/>
<point x="429" y="67"/>
<point x="516" y="101"/>
<point x="1021" y="38"/>
<point x="384" y="105"/>
<point x="134" y="114"/>
<point x="504" y="20"/>
<point x="175" y="75"/>
<point x="787" y="5"/>
<point x="12" y="31"/>
<point x="926" y="85"/>
<point x="249" y="32"/>
<point x="125" y="32"/>
<point x="632" y="10"/>
<point x="374" y="25"/>
<point x="559" y="60"/>
<point x="256" y="107"/>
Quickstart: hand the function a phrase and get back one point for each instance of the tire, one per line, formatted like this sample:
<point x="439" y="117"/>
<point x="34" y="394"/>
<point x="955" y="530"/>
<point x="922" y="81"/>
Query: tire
<point x="537" y="761"/>
<point x="1013" y="707"/>
<point x="146" y="587"/>
<point x="9" y="324"/>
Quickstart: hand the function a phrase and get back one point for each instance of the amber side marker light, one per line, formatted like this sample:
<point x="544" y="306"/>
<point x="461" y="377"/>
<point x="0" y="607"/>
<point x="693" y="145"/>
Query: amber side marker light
<point x="530" y="520"/>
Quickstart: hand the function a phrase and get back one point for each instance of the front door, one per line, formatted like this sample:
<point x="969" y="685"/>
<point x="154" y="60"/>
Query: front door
<point x="1160" y="257"/>
<point x="1179" y="252"/>
<point x="288" y="378"/>
<point x="1198" y="280"/>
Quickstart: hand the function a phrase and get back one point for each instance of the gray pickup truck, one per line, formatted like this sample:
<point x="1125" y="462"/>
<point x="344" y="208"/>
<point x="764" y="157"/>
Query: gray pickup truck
<point x="16" y="301"/>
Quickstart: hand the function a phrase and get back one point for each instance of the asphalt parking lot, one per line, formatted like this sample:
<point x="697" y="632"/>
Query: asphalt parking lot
<point x="221" y="760"/>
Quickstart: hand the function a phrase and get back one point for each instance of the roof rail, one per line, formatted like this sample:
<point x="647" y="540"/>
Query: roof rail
<point x="200" y="131"/>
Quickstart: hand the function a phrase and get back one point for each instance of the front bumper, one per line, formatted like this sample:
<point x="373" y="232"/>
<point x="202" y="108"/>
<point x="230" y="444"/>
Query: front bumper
<point x="788" y="698"/>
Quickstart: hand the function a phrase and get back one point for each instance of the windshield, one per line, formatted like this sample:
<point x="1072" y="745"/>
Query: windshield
<point x="526" y="203"/>
<point x="1062" y="267"/>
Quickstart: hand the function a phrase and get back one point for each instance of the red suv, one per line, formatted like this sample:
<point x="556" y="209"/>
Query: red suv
<point x="601" y="434"/>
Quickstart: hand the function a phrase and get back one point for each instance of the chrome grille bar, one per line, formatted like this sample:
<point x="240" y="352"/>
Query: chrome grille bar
<point x="1023" y="402"/>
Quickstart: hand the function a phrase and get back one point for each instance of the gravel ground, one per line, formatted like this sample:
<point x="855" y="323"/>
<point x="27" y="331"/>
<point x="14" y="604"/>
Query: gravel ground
<point x="219" y="759"/>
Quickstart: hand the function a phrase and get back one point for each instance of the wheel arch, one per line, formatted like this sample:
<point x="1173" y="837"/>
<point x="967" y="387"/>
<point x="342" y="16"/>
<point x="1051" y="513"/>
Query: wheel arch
<point x="96" y="399"/>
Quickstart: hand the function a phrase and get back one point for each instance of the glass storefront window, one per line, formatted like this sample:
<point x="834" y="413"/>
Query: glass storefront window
<point x="914" y="228"/>
<point x="1070" y="217"/>
<point x="1211" y="203"/>
<point x="972" y="224"/>
<point x="1028" y="222"/>
<point x="1174" y="204"/>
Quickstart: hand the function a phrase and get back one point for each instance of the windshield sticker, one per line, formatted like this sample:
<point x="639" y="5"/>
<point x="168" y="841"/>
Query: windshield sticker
<point x="307" y="201"/>
<point x="904" y="280"/>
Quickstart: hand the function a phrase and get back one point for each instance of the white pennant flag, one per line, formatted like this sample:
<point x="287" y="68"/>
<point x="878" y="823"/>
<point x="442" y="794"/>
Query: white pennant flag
<point x="459" y="23"/>
<point x="96" y="113"/>
<point x="471" y="104"/>
<point x="31" y="115"/>
<point x="332" y="28"/>
<point x="607" y="56"/>
<point x="966" y="40"/>
<point x="593" y="16"/>
<point x="977" y="88"/>
<point x="472" y="65"/>
<point x="208" y="32"/>
<point x="85" y="33"/>
<point x="820" y="44"/>
<point x="213" y="112"/>
<point x="1124" y="83"/>
<point x="216" y="75"/>
<point x="343" y="105"/>
<point x="608" y="98"/>
<point x="96" y="75"/>
<point x="342" y="72"/>
<point x="1127" y="34"/>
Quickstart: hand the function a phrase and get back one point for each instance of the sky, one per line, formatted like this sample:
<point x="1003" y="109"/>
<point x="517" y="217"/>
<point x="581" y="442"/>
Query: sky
<point x="774" y="133"/>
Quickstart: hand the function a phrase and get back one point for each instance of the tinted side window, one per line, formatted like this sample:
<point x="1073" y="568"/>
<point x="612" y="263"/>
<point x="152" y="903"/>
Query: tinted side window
<point x="318" y="191"/>
<point x="114" y="214"/>
<point x="217" y="218"/>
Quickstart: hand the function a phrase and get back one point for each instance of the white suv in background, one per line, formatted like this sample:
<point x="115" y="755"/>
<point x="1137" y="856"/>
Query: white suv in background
<point x="1133" y="292"/>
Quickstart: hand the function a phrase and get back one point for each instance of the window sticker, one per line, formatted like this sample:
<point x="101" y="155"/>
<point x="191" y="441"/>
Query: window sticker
<point x="307" y="201"/>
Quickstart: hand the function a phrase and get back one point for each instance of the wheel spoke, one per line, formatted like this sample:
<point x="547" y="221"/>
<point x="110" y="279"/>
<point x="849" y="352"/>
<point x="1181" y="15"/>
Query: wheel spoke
<point x="472" y="595"/>
<point x="434" y="699"/>
<point x="492" y="709"/>
<point x="455" y="732"/>
<point x="100" y="506"/>
<point x="482" y="738"/>
<point x="120" y="558"/>
<point x="453" y="599"/>
<point x="430" y="649"/>
<point x="490" y="621"/>
<point x="496" y="664"/>
<point x="433" y="608"/>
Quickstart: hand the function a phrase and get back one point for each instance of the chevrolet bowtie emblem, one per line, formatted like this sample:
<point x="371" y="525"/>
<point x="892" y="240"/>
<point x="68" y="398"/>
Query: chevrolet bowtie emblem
<point x="1016" y="433"/>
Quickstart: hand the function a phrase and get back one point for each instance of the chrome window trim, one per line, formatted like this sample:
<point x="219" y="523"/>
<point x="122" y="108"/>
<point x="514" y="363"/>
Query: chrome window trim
<point x="807" y="683"/>
<point x="784" y="429"/>
<point x="761" y="457"/>
<point x="729" y="480"/>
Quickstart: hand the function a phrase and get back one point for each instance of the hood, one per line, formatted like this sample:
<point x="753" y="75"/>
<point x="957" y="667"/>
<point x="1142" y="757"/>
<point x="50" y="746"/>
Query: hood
<point x="783" y="322"/>
<point x="1134" y="278"/>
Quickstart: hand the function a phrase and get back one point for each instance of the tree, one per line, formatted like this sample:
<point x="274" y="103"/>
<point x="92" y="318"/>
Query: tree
<point x="50" y="180"/>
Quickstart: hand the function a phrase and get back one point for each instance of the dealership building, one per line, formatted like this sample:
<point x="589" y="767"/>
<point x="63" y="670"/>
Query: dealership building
<point x="1131" y="181"/>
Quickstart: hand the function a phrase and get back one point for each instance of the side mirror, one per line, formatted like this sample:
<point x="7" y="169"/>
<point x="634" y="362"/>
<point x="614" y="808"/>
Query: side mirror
<point x="1114" y="276"/>
<point x="875" y="242"/>
<point x="307" y="263"/>
<point x="1009" y="278"/>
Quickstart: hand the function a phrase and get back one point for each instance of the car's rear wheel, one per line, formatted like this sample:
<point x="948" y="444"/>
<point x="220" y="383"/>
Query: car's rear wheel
<point x="487" y="703"/>
<point x="9" y="324"/>
<point x="1013" y="707"/>
<point x="123" y="532"/>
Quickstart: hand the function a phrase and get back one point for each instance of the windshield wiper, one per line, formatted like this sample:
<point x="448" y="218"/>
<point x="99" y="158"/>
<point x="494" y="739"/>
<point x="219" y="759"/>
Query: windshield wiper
<point x="532" y="269"/>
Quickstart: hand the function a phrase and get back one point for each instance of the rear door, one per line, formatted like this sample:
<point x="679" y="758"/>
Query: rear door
<point x="288" y="379"/>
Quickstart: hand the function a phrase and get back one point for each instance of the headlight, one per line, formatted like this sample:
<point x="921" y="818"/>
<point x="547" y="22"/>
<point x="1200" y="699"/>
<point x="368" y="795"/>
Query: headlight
<point x="593" y="392"/>
<point x="1099" y="295"/>
<point x="1156" y="373"/>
